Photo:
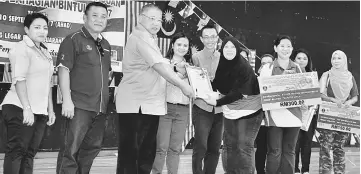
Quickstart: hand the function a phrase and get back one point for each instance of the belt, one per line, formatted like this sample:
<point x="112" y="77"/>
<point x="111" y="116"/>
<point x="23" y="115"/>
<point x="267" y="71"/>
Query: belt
<point x="178" y="104"/>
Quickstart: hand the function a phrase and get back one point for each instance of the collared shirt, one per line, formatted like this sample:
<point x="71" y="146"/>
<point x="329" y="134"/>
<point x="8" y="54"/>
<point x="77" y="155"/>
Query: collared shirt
<point x="88" y="70"/>
<point x="175" y="94"/>
<point x="35" y="65"/>
<point x="141" y="87"/>
<point x="290" y="117"/>
<point x="209" y="61"/>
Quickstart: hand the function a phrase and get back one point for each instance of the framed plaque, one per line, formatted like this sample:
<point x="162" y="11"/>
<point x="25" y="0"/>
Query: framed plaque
<point x="199" y="80"/>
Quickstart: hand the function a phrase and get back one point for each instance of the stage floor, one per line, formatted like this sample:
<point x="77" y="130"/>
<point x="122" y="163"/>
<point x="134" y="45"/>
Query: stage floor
<point x="105" y="163"/>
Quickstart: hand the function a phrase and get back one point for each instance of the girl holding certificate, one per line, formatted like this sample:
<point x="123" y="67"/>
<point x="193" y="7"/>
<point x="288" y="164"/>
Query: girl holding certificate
<point x="241" y="104"/>
<point x="284" y="124"/>
<point x="302" y="58"/>
<point x="172" y="126"/>
<point x="338" y="86"/>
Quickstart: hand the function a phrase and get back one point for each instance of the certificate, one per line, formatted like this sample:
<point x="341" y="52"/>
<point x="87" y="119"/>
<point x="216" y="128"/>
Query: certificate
<point x="289" y="90"/>
<point x="307" y="117"/>
<point x="343" y="119"/>
<point x="199" y="80"/>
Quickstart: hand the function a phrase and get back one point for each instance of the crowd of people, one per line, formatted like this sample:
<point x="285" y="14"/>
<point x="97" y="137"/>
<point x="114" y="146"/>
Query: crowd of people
<point x="153" y="98"/>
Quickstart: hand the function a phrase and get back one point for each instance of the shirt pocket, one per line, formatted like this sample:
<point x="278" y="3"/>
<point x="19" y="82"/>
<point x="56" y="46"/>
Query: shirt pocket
<point x="88" y="55"/>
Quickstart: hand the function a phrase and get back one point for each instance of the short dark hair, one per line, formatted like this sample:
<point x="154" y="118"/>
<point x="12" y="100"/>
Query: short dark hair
<point x="170" y="53"/>
<point x="147" y="7"/>
<point x="309" y="66"/>
<point x="208" y="26"/>
<point x="281" y="37"/>
<point x="29" y="19"/>
<point x="96" y="4"/>
<point x="267" y="55"/>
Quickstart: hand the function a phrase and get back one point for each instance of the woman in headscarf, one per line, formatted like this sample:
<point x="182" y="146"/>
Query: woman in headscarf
<point x="241" y="104"/>
<point x="338" y="86"/>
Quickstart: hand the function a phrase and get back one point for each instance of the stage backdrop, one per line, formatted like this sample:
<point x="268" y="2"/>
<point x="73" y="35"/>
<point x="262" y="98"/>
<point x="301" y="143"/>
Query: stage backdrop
<point x="66" y="17"/>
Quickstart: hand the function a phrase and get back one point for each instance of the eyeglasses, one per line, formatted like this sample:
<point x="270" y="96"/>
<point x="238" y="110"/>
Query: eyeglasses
<point x="100" y="48"/>
<point x="210" y="37"/>
<point x="153" y="19"/>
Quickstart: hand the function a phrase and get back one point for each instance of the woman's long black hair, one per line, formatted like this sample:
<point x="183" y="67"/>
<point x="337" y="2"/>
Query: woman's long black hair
<point x="309" y="66"/>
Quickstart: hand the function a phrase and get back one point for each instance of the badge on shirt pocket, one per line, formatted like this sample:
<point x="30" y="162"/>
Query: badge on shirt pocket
<point x="88" y="47"/>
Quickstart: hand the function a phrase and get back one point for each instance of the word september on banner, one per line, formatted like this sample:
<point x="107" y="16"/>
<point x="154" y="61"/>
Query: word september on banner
<point x="341" y="119"/>
<point x="289" y="90"/>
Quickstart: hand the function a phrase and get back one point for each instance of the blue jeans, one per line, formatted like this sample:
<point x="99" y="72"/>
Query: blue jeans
<point x="171" y="132"/>
<point x="83" y="138"/>
<point x="22" y="141"/>
<point x="239" y="138"/>
<point x="208" y="132"/>
<point x="281" y="145"/>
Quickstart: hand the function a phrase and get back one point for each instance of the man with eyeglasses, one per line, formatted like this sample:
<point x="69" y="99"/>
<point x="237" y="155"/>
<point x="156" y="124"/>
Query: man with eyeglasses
<point x="140" y="98"/>
<point x="207" y="120"/>
<point x="84" y="64"/>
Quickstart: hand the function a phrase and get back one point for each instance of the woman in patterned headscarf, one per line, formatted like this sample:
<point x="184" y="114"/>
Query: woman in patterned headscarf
<point x="337" y="86"/>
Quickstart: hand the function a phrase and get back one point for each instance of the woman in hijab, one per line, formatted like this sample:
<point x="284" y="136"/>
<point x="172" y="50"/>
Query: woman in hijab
<point x="241" y="104"/>
<point x="338" y="86"/>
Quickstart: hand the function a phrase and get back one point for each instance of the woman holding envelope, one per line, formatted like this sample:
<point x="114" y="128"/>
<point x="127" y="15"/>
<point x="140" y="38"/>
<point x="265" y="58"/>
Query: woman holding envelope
<point x="284" y="124"/>
<point x="172" y="126"/>
<point x="241" y="104"/>
<point x="302" y="58"/>
<point x="338" y="86"/>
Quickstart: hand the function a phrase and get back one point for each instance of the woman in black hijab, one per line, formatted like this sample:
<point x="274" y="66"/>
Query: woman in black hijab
<point x="237" y="83"/>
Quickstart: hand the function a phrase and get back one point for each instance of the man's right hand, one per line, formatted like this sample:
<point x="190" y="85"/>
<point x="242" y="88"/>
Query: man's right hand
<point x="28" y="117"/>
<point x="188" y="91"/>
<point x="68" y="109"/>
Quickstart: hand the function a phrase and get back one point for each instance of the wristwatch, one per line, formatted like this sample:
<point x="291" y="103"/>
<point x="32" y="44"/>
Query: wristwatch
<point x="27" y="107"/>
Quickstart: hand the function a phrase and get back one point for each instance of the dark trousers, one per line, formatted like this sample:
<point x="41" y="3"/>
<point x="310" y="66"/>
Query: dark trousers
<point x="281" y="144"/>
<point x="304" y="144"/>
<point x="239" y="138"/>
<point x="82" y="142"/>
<point x="137" y="143"/>
<point x="208" y="132"/>
<point x="22" y="141"/>
<point x="261" y="152"/>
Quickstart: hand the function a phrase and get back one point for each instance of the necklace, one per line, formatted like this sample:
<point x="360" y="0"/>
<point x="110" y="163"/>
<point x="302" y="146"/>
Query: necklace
<point x="177" y="59"/>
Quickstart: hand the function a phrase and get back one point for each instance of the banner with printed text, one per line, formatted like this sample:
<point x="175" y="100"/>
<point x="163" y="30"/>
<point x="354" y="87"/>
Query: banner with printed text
<point x="343" y="119"/>
<point x="290" y="90"/>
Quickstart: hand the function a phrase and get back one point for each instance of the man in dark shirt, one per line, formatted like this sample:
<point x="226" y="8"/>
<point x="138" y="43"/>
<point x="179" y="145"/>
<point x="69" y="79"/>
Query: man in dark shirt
<point x="84" y="64"/>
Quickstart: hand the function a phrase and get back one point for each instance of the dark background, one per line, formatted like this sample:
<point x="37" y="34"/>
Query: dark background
<point x="319" y="27"/>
